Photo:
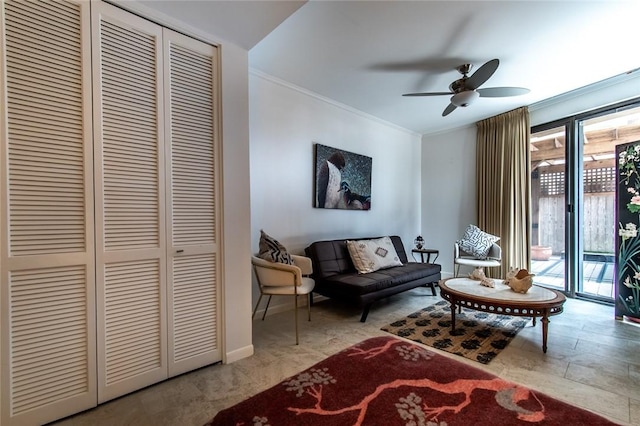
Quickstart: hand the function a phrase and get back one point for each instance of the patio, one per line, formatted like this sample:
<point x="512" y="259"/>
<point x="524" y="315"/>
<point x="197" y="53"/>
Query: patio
<point x="598" y="274"/>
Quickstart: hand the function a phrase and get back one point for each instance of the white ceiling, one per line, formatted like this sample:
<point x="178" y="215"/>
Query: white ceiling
<point x="243" y="22"/>
<point x="366" y="54"/>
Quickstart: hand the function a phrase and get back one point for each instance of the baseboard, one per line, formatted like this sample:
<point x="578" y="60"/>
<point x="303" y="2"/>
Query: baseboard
<point x="238" y="354"/>
<point x="248" y="351"/>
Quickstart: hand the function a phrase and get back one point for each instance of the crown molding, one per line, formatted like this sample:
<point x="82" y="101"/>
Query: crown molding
<point x="275" y="80"/>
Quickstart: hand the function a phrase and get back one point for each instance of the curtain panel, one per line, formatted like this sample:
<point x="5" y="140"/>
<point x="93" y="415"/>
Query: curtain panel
<point x="503" y="174"/>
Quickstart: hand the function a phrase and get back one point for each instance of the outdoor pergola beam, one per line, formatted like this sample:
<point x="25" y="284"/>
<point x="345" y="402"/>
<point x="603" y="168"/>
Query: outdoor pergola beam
<point x="595" y="142"/>
<point x="549" y="152"/>
<point x="598" y="164"/>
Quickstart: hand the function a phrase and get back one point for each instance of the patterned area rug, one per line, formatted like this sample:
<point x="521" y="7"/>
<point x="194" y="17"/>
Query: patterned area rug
<point x="388" y="381"/>
<point x="479" y="336"/>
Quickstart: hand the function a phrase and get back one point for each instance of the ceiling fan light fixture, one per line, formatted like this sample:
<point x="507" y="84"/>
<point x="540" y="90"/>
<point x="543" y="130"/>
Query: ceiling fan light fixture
<point x="467" y="89"/>
<point x="465" y="98"/>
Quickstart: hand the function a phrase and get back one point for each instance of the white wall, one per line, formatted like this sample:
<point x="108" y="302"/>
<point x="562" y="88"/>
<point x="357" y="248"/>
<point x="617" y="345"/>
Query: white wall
<point x="285" y="122"/>
<point x="236" y="203"/>
<point x="448" y="200"/>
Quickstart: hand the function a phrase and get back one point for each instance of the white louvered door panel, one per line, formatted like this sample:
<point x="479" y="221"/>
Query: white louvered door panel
<point x="190" y="73"/>
<point x="130" y="242"/>
<point x="47" y="291"/>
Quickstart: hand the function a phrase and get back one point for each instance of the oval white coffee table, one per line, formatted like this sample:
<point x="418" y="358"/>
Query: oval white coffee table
<point x="537" y="302"/>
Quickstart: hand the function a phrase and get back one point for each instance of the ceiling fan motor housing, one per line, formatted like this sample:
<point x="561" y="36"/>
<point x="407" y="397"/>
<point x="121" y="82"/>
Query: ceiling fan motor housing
<point x="459" y="85"/>
<point x="465" y="98"/>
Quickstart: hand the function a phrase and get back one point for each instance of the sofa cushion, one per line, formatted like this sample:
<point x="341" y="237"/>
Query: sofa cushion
<point x="371" y="255"/>
<point x="355" y="285"/>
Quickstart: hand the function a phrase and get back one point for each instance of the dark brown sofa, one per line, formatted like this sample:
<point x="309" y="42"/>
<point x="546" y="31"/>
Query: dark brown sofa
<point x="337" y="278"/>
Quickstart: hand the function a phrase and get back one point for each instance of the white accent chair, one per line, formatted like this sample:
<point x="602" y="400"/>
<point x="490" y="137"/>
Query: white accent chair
<point x="461" y="258"/>
<point x="281" y="279"/>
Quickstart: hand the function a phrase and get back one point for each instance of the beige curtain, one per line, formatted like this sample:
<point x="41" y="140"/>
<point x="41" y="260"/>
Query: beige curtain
<point x="503" y="180"/>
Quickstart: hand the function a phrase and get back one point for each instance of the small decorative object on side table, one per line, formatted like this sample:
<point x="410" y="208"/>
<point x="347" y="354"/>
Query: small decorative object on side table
<point x="426" y="251"/>
<point x="419" y="242"/>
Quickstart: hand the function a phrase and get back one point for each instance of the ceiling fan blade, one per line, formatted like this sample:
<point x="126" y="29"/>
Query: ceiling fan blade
<point x="448" y="110"/>
<point x="483" y="74"/>
<point x="499" y="92"/>
<point x="428" y="94"/>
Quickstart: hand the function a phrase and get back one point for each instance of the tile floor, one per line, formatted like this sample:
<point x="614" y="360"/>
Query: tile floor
<point x="593" y="362"/>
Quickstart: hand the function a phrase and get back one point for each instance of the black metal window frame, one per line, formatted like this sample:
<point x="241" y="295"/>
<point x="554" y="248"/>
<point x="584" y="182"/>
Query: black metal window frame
<point x="574" y="191"/>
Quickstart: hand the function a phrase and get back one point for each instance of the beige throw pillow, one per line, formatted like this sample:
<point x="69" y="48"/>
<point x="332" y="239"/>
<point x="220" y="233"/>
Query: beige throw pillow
<point x="372" y="255"/>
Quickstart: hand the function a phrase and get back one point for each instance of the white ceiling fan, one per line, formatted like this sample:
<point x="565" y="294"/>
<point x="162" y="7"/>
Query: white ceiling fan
<point x="466" y="89"/>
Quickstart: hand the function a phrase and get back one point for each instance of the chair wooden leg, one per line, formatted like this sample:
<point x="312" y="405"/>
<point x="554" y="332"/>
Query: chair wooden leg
<point x="256" y="308"/>
<point x="295" y="310"/>
<point x="266" y="308"/>
<point x="457" y="270"/>
<point x="309" y="305"/>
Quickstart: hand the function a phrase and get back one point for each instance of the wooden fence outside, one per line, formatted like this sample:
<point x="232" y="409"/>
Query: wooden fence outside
<point x="598" y="220"/>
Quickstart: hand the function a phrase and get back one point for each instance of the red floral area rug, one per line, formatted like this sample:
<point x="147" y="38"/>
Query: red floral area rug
<point x="388" y="381"/>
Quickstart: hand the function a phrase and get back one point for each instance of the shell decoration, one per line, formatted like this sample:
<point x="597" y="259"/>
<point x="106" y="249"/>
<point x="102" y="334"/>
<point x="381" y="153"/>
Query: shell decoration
<point x="487" y="282"/>
<point x="520" y="280"/>
<point x="477" y="274"/>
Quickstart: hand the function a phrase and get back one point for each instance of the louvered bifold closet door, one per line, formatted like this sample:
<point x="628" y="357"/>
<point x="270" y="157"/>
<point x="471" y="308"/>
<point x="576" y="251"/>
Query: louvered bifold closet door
<point x="192" y="183"/>
<point x="47" y="288"/>
<point x="130" y="225"/>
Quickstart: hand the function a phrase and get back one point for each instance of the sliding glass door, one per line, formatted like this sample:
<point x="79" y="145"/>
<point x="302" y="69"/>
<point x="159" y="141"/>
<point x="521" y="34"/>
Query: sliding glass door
<point x="600" y="136"/>
<point x="573" y="198"/>
<point x="548" y="206"/>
